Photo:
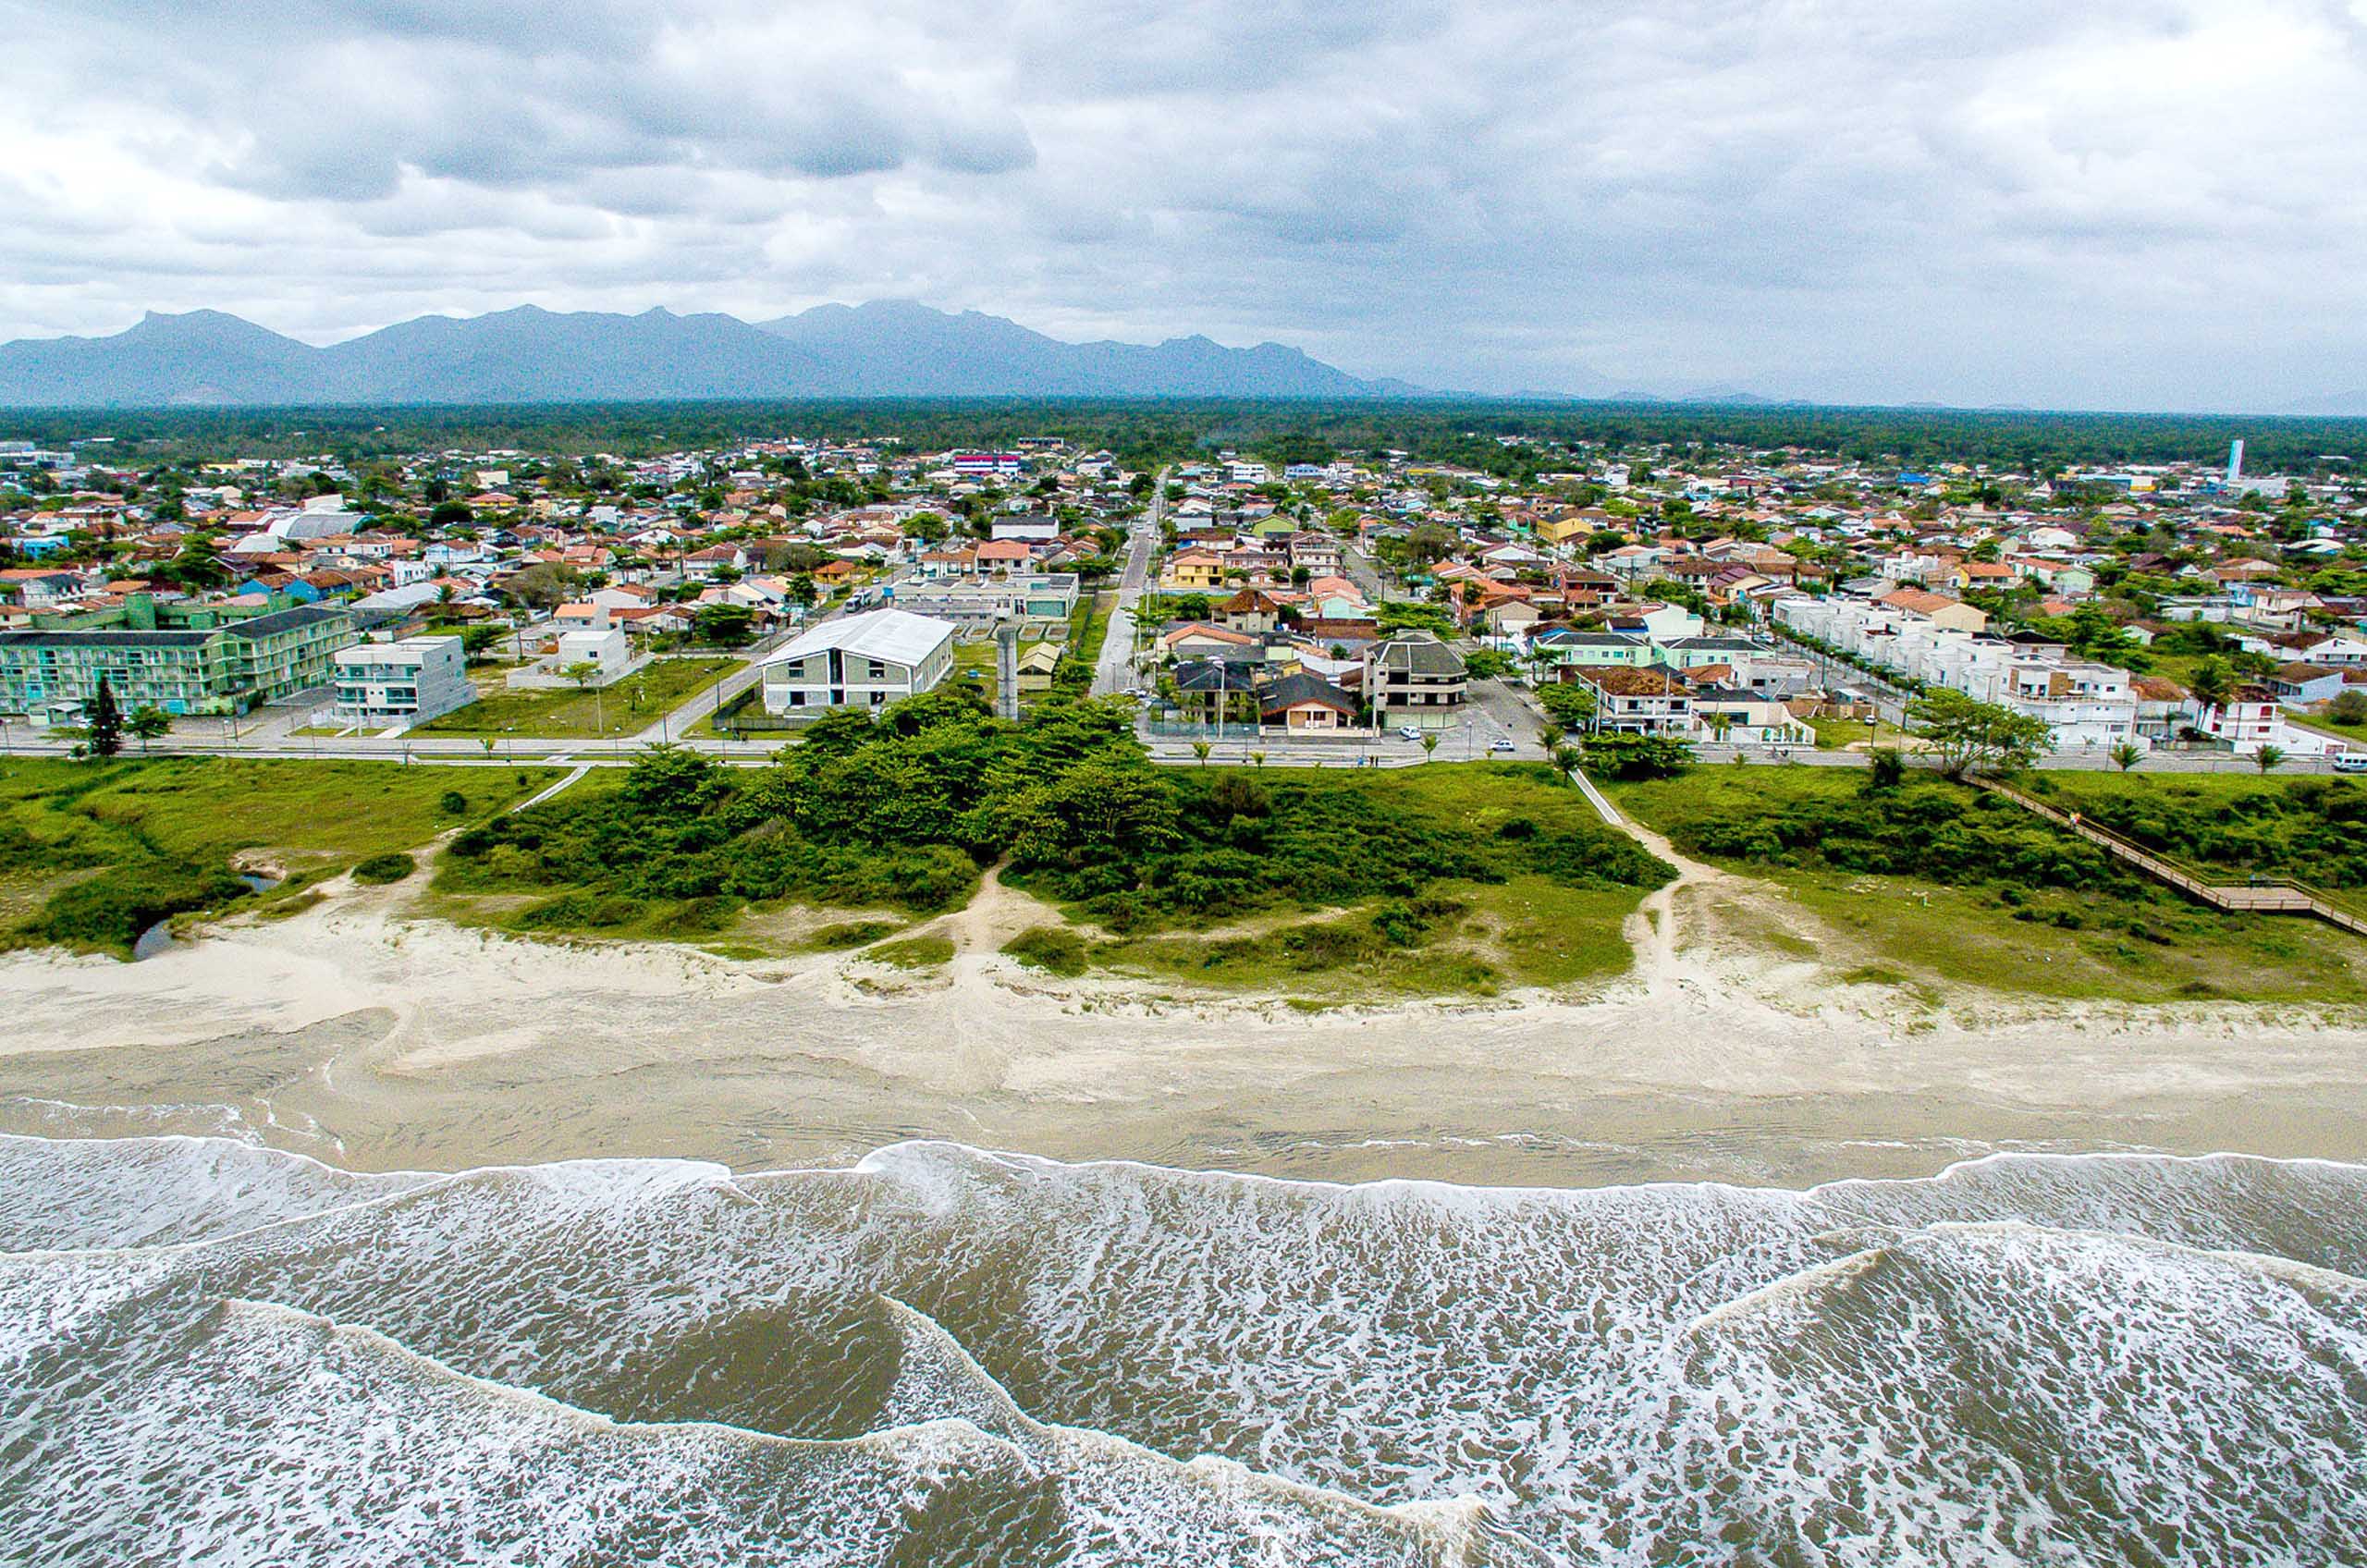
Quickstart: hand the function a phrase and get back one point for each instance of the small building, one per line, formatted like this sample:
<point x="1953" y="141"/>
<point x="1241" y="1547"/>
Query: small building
<point x="1303" y="701"/>
<point x="606" y="651"/>
<point x="2300" y="684"/>
<point x="864" y="661"/>
<point x="1038" y="662"/>
<point x="1250" y="611"/>
<point x="409" y="681"/>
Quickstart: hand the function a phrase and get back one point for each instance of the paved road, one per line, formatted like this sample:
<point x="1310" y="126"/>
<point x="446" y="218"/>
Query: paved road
<point x="1111" y="673"/>
<point x="1365" y="573"/>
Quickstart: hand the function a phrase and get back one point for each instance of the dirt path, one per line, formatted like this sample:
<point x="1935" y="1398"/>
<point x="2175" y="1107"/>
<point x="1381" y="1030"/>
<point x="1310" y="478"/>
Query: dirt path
<point x="1651" y="930"/>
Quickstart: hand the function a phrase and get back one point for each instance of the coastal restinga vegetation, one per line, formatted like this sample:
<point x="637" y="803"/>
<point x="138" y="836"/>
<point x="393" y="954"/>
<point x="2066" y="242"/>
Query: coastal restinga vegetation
<point x="903" y="812"/>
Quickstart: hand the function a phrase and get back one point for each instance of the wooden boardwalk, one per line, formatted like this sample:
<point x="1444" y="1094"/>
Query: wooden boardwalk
<point x="2267" y="896"/>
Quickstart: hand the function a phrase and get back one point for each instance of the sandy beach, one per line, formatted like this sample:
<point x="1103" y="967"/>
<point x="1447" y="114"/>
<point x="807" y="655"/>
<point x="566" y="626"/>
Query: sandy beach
<point x="376" y="1040"/>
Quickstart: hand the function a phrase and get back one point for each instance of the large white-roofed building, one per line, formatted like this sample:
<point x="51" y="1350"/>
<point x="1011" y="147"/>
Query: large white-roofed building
<point x="864" y="661"/>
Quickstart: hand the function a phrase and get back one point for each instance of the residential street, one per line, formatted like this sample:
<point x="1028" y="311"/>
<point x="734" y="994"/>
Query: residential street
<point x="1110" y="674"/>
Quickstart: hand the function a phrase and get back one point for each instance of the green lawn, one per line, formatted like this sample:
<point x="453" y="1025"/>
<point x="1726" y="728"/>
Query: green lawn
<point x="2325" y="726"/>
<point x="627" y="707"/>
<point x="1961" y="893"/>
<point x="92" y="853"/>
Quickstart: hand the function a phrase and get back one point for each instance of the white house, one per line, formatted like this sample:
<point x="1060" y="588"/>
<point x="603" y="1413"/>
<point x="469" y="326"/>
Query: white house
<point x="865" y="660"/>
<point x="606" y="650"/>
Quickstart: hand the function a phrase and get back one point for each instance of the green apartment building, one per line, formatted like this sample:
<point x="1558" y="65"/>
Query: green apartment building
<point x="229" y="668"/>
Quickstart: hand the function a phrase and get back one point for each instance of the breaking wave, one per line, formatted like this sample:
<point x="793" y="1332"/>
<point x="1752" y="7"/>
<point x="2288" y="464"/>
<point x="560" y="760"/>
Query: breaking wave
<point x="213" y="1352"/>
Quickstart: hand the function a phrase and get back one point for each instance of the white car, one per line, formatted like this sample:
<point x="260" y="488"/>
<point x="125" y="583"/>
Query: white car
<point x="1501" y="743"/>
<point x="2350" y="762"/>
<point x="1408" y="732"/>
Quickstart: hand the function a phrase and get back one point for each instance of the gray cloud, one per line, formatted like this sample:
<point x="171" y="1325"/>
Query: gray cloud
<point x="2133" y="203"/>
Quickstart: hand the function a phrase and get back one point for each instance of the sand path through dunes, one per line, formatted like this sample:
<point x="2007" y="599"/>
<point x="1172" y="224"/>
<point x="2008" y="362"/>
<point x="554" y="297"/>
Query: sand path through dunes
<point x="387" y="1041"/>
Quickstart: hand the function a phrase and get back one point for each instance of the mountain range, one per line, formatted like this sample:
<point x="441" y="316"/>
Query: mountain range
<point x="884" y="350"/>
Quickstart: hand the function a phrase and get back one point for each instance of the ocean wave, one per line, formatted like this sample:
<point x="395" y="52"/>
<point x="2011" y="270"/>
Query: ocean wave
<point x="2031" y="1358"/>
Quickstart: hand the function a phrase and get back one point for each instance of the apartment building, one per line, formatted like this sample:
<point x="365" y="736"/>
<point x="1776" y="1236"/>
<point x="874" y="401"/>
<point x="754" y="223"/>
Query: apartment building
<point x="407" y="682"/>
<point x="1412" y="679"/>
<point x="2086" y="705"/>
<point x="53" y="676"/>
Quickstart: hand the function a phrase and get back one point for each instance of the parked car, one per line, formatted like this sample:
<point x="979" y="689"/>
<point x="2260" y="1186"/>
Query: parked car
<point x="1408" y="732"/>
<point x="1501" y="743"/>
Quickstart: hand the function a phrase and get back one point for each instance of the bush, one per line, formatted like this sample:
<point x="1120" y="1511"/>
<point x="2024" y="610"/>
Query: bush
<point x="452" y="803"/>
<point x="1050" y="948"/>
<point x="380" y="870"/>
<point x="913" y="952"/>
<point x="112" y="909"/>
<point x="852" y="933"/>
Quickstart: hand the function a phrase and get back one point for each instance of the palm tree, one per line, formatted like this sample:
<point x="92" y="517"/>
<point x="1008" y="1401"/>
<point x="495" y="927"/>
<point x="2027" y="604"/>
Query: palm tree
<point x="2126" y="755"/>
<point x="1430" y="742"/>
<point x="2268" y="757"/>
<point x="1567" y="758"/>
<point x="1200" y="749"/>
<point x="1550" y="736"/>
<point x="2212" y="681"/>
<point x="1257" y="757"/>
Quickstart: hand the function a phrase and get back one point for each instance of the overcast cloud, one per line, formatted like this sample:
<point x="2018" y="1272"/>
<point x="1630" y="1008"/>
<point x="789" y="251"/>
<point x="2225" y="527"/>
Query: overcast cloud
<point x="2118" y="203"/>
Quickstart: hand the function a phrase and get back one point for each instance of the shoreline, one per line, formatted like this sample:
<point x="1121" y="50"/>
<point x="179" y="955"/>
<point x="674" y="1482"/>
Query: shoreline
<point x="378" y="1040"/>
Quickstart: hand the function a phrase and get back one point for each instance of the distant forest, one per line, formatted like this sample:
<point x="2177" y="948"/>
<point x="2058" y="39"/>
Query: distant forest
<point x="1144" y="432"/>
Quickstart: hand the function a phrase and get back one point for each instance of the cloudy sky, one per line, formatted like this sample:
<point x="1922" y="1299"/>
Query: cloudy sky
<point x="2131" y="203"/>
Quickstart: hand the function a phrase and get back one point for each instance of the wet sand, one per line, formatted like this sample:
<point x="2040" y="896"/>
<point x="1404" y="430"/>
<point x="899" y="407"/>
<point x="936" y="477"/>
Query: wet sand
<point x="376" y="1041"/>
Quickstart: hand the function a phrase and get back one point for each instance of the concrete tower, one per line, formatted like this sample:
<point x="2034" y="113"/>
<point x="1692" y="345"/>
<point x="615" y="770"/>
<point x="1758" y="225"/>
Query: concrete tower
<point x="1006" y="666"/>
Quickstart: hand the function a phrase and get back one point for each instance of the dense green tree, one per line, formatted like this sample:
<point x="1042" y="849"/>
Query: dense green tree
<point x="1971" y="736"/>
<point x="105" y="737"/>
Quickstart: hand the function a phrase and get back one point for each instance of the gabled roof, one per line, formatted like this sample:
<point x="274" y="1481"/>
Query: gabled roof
<point x="898" y="636"/>
<point x="1295" y="690"/>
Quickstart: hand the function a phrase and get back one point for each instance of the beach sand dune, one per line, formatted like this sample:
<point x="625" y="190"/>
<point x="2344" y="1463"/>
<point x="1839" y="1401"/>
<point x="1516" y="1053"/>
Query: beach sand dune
<point x="379" y="1041"/>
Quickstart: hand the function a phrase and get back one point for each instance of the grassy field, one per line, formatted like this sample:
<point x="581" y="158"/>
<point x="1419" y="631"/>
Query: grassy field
<point x="95" y="853"/>
<point x="627" y="707"/>
<point x="1931" y="907"/>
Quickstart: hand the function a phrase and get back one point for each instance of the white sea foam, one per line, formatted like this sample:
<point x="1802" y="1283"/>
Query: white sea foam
<point x="2027" y="1358"/>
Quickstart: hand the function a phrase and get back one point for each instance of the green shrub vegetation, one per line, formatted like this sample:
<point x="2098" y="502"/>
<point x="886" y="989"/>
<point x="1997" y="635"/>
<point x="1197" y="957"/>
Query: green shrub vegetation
<point x="2310" y="830"/>
<point x="379" y="870"/>
<point x="1052" y="948"/>
<point x="1217" y="844"/>
<point x="1930" y="880"/>
<point x="850" y="934"/>
<point x="902" y="813"/>
<point x="913" y="952"/>
<point x="92" y="853"/>
<point x="1924" y="826"/>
